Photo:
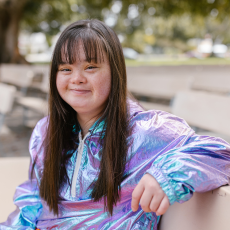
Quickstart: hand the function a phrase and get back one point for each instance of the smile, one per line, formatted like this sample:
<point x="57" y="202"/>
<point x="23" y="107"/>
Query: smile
<point x="80" y="92"/>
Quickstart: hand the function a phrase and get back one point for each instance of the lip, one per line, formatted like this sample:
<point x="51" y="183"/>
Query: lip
<point x="80" y="91"/>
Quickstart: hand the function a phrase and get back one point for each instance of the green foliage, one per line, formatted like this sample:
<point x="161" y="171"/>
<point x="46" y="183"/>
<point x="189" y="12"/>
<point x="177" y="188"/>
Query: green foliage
<point x="172" y="21"/>
<point x="45" y="15"/>
<point x="57" y="12"/>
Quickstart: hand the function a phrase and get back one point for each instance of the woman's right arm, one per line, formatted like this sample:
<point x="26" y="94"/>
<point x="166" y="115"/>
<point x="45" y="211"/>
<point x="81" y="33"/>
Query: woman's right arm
<point x="29" y="207"/>
<point x="26" y="197"/>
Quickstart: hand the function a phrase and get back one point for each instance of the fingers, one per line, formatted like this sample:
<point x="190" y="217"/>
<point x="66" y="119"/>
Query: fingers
<point x="150" y="196"/>
<point x="146" y="198"/>
<point x="156" y="201"/>
<point x="164" y="205"/>
<point x="136" y="196"/>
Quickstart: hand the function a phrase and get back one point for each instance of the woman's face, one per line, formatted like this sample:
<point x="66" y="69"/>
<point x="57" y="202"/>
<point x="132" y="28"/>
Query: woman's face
<point x="85" y="86"/>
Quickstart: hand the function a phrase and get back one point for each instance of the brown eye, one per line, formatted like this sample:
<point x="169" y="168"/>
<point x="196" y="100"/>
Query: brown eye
<point x="91" y="67"/>
<point x="65" y="70"/>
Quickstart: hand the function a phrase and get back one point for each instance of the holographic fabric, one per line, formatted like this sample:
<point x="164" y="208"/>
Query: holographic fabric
<point x="162" y="145"/>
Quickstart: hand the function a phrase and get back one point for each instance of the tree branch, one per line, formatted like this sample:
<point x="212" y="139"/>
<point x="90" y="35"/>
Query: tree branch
<point x="10" y="5"/>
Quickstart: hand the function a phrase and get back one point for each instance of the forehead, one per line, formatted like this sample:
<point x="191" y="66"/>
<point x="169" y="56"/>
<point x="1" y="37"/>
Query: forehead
<point x="79" y="51"/>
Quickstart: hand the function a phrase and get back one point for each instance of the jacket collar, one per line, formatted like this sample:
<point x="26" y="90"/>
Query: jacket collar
<point x="133" y="107"/>
<point x="95" y="128"/>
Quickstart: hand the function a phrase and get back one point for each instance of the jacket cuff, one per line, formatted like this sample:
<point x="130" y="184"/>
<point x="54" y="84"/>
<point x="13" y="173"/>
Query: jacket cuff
<point x="164" y="183"/>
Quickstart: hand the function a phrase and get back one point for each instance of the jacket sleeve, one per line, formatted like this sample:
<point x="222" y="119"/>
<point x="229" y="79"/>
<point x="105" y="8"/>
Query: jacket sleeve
<point x="29" y="207"/>
<point x="26" y="197"/>
<point x="200" y="164"/>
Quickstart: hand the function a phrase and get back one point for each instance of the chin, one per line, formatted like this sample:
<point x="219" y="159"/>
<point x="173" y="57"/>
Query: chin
<point x="82" y="108"/>
<point x="80" y="104"/>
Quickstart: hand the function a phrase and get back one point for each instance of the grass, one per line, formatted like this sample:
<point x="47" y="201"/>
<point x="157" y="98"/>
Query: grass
<point x="167" y="62"/>
<point x="191" y="61"/>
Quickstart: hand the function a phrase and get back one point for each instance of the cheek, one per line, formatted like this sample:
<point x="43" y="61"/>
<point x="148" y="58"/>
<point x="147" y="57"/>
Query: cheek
<point x="60" y="84"/>
<point x="104" y="87"/>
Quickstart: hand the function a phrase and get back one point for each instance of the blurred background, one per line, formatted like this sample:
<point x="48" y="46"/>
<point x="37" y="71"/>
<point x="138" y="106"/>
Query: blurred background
<point x="177" y="55"/>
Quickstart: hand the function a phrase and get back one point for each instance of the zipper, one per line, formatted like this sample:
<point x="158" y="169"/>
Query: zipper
<point x="78" y="163"/>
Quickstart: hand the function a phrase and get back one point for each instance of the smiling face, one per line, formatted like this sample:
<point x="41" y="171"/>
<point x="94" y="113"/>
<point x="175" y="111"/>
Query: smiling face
<point x="85" y="86"/>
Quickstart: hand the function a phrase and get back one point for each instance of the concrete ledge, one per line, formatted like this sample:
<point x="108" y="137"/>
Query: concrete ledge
<point x="13" y="172"/>
<point x="204" y="211"/>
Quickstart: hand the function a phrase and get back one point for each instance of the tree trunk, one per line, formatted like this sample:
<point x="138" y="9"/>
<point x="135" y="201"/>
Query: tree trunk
<point x="10" y="15"/>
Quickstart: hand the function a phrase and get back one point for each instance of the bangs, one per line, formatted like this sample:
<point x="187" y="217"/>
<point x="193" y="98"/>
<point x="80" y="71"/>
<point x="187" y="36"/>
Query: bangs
<point x="69" y="46"/>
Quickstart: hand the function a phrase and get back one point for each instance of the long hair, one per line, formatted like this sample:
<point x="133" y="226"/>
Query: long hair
<point x="95" y="37"/>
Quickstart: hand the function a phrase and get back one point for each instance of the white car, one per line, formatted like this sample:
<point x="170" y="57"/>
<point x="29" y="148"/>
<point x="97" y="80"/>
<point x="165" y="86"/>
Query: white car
<point x="219" y="50"/>
<point x="130" y="53"/>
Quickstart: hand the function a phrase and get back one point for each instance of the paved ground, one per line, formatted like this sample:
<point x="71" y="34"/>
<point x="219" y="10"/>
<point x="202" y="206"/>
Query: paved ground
<point x="16" y="143"/>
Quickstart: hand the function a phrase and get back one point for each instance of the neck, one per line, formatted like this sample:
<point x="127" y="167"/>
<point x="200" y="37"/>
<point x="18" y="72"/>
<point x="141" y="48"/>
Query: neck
<point x="86" y="122"/>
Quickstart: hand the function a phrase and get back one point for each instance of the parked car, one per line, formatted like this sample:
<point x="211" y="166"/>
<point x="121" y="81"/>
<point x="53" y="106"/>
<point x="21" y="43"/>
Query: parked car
<point x="130" y="53"/>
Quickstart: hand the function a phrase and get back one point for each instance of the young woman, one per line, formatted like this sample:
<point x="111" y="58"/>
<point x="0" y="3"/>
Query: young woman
<point x="99" y="161"/>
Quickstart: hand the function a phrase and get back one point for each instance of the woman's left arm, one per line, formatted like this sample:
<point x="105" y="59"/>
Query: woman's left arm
<point x="182" y="162"/>
<point x="201" y="164"/>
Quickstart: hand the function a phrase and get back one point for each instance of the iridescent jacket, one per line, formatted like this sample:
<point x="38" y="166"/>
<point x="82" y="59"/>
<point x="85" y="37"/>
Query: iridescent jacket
<point x="163" y="146"/>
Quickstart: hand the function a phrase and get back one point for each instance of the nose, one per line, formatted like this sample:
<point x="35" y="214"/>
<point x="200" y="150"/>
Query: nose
<point x="78" y="77"/>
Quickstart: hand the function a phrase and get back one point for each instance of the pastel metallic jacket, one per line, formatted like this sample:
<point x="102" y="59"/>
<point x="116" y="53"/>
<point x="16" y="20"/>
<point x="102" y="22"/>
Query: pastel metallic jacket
<point x="163" y="146"/>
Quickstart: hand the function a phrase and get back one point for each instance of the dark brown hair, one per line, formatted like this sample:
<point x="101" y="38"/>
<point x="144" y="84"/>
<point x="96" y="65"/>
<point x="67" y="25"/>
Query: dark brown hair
<point x="95" y="37"/>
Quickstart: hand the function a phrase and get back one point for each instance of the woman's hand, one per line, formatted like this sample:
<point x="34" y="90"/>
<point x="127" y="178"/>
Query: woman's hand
<point x="150" y="196"/>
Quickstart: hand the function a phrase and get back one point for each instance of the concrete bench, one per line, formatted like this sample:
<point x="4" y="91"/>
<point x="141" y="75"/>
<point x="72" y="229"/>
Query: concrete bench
<point x="204" y="211"/>
<point x="17" y="75"/>
<point x="7" y="93"/>
<point x="212" y="82"/>
<point x="161" y="86"/>
<point x="154" y="106"/>
<point x="204" y="110"/>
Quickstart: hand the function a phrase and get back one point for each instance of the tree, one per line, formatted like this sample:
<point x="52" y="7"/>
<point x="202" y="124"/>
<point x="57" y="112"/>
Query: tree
<point x="38" y="15"/>
<point x="170" y="23"/>
<point x="10" y="15"/>
<point x="49" y="15"/>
